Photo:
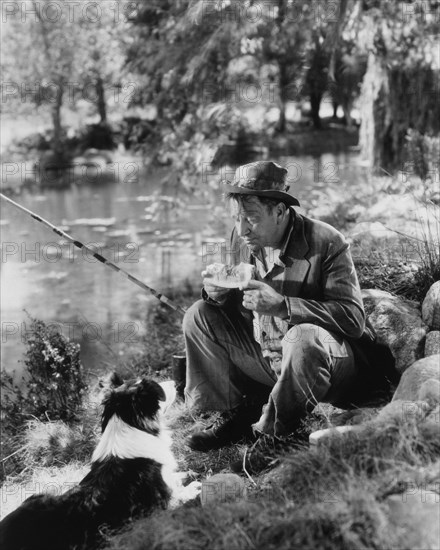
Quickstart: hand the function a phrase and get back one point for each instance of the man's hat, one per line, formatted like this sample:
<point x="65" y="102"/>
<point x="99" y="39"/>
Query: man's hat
<point x="262" y="179"/>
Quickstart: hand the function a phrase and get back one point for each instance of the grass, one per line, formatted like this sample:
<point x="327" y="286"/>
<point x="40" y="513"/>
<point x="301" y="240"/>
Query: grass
<point x="332" y="496"/>
<point x="53" y="479"/>
<point x="37" y="444"/>
<point x="407" y="280"/>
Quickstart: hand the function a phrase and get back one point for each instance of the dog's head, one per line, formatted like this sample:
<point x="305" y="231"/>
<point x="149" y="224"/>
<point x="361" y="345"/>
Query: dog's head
<point x="136" y="402"/>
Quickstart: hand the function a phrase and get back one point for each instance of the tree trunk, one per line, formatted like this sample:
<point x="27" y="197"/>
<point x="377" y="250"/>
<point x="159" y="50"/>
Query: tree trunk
<point x="100" y="93"/>
<point x="375" y="116"/>
<point x="282" y="100"/>
<point x="283" y="80"/>
<point x="315" y="103"/>
<point x="57" y="143"/>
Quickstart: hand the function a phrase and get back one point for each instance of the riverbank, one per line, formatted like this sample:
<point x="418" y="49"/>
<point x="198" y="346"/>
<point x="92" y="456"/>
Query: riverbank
<point x="394" y="231"/>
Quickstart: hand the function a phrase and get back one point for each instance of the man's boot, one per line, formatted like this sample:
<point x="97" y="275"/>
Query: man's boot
<point x="230" y="427"/>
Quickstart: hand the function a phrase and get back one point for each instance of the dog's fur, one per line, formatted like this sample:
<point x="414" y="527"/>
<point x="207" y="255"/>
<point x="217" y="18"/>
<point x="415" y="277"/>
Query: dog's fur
<point x="132" y="473"/>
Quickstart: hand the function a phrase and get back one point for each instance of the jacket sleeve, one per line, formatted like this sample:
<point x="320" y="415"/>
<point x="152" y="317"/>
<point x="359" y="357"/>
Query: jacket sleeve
<point x="340" y="308"/>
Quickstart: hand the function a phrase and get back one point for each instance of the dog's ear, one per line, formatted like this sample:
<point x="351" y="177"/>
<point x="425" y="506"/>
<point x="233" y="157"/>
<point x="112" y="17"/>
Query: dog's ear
<point x="161" y="395"/>
<point x="116" y="380"/>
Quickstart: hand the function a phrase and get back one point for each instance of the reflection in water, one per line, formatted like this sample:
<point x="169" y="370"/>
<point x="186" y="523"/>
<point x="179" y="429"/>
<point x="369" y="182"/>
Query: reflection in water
<point x="56" y="282"/>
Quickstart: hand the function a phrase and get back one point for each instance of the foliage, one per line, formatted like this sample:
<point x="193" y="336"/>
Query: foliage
<point x="56" y="55"/>
<point x="192" y="53"/>
<point x="54" y="383"/>
<point x="178" y="50"/>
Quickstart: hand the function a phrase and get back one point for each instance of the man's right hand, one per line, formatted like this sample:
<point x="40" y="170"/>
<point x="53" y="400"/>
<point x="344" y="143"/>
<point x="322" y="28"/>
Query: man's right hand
<point x="216" y="293"/>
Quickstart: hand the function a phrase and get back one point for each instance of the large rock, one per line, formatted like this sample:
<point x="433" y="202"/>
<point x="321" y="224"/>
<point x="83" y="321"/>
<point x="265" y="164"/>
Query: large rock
<point x="398" y="325"/>
<point x="431" y="307"/>
<point x="421" y="381"/>
<point x="432" y="344"/>
<point x="408" y="411"/>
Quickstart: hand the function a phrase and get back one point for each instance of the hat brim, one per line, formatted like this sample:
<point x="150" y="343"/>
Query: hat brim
<point x="278" y="195"/>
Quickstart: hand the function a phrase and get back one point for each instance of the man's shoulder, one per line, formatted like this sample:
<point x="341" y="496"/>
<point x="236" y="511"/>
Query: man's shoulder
<point x="318" y="226"/>
<point x="320" y="231"/>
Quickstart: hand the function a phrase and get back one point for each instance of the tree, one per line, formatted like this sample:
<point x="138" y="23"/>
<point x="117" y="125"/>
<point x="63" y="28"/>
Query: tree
<point x="400" y="88"/>
<point x="180" y="52"/>
<point x="101" y="58"/>
<point x="54" y="54"/>
<point x="40" y="59"/>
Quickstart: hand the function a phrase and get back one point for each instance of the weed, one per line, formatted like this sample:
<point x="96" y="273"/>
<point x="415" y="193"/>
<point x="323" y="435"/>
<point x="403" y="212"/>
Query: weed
<point x="53" y="388"/>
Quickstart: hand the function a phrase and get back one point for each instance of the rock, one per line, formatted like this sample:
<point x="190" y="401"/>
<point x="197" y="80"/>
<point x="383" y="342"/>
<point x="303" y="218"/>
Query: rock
<point x="421" y="381"/>
<point x="432" y="344"/>
<point x="398" y="325"/>
<point x="434" y="417"/>
<point x="431" y="307"/>
<point x="416" y="514"/>
<point x="400" y="410"/>
<point x="221" y="488"/>
<point x="430" y="391"/>
<point x="322" y="436"/>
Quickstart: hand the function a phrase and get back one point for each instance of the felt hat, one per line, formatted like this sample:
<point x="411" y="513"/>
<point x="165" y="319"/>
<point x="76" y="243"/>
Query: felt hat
<point x="262" y="179"/>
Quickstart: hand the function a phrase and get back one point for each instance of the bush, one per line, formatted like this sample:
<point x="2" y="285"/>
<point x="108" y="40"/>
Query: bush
<point x="53" y="386"/>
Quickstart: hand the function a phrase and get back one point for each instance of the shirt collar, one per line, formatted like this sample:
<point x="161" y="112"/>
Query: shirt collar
<point x="280" y="260"/>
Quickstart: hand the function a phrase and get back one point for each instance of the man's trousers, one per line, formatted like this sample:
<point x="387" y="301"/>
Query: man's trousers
<point x="225" y="363"/>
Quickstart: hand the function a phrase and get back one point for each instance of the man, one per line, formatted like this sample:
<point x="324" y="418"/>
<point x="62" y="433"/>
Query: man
<point x="266" y="354"/>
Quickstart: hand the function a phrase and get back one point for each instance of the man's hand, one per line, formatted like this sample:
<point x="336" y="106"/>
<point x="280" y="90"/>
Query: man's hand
<point x="216" y="293"/>
<point x="262" y="298"/>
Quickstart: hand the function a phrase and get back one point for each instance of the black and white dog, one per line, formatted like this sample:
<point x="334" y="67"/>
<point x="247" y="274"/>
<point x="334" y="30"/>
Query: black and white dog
<point x="133" y="472"/>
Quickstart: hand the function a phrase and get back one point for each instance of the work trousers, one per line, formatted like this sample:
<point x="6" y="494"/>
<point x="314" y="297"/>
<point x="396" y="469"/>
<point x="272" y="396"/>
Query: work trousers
<point x="225" y="363"/>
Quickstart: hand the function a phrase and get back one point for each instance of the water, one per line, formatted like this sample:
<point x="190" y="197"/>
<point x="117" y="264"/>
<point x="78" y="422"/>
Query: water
<point x="89" y="302"/>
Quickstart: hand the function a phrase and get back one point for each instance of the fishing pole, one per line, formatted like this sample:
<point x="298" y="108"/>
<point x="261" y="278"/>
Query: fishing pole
<point x="99" y="257"/>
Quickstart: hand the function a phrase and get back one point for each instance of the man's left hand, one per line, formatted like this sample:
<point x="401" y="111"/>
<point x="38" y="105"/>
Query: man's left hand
<point x="262" y="298"/>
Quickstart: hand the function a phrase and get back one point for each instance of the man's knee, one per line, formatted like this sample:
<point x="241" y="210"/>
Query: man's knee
<point x="306" y="336"/>
<point x="306" y="347"/>
<point x="197" y="314"/>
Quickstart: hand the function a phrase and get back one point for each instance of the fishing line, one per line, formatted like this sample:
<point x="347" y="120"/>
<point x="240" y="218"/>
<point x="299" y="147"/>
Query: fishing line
<point x="99" y="257"/>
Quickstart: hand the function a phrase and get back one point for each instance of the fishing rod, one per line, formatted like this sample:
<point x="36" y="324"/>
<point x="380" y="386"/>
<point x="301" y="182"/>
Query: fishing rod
<point x="99" y="257"/>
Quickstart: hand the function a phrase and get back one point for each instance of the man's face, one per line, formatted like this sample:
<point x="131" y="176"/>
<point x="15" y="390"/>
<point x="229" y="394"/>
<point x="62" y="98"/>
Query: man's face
<point x="255" y="223"/>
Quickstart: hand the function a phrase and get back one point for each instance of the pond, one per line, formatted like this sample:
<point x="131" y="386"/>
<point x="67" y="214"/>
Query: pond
<point x="54" y="281"/>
